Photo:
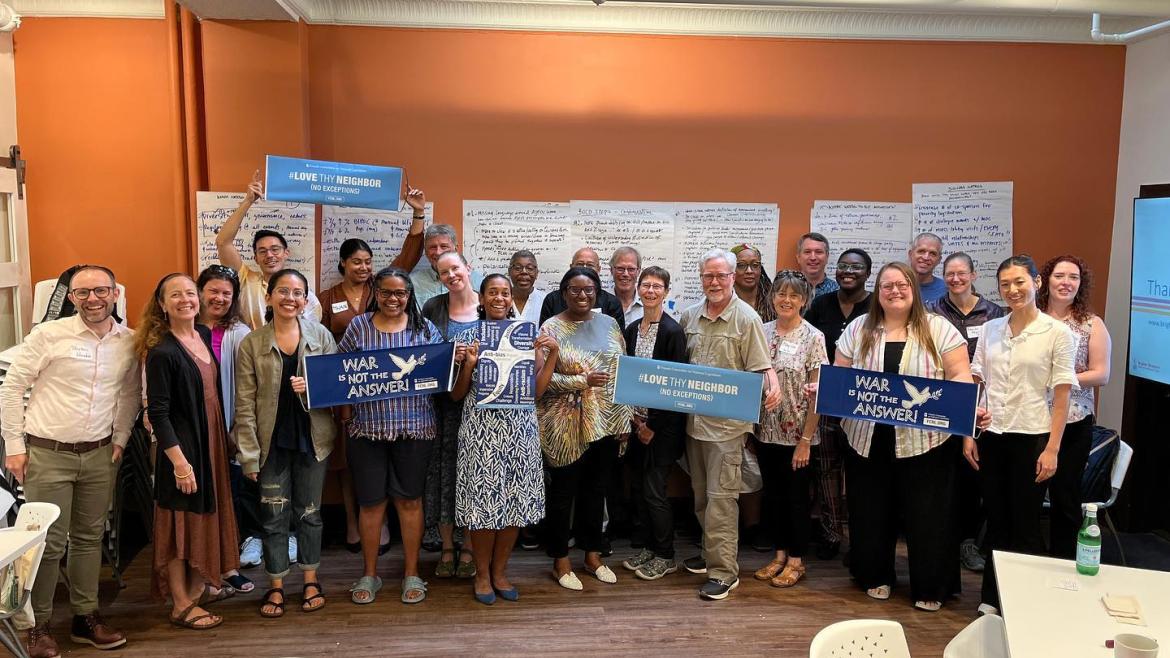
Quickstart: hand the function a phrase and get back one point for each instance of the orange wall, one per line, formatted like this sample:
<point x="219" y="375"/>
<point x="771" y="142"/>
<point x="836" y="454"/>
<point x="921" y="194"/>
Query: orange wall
<point x="550" y="116"/>
<point x="94" y="118"/>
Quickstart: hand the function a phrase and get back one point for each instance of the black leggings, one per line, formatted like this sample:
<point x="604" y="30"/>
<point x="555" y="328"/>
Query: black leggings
<point x="786" y="497"/>
<point x="1012" y="498"/>
<point x="1064" y="489"/>
<point x="582" y="483"/>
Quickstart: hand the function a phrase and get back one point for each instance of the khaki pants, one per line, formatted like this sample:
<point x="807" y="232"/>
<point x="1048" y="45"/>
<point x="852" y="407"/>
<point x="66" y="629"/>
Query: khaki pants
<point x="81" y="486"/>
<point x="716" y="478"/>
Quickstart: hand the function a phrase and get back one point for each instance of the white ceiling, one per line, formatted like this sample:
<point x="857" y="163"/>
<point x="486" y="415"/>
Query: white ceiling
<point x="1062" y="21"/>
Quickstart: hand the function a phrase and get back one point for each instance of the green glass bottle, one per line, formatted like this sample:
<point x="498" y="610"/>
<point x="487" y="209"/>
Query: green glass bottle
<point x="1089" y="543"/>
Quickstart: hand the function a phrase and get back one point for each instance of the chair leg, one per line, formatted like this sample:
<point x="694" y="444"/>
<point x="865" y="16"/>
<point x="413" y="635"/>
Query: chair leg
<point x="1116" y="536"/>
<point x="10" y="637"/>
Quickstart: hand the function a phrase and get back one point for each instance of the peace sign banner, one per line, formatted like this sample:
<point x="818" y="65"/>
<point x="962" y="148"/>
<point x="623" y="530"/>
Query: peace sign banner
<point x="933" y="405"/>
<point x="352" y="377"/>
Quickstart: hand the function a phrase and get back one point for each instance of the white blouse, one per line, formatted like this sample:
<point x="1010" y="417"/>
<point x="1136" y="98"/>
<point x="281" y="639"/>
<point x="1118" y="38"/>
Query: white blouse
<point x="1019" y="372"/>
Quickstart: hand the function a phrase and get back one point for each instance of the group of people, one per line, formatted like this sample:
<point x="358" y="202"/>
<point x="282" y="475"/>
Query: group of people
<point x="218" y="362"/>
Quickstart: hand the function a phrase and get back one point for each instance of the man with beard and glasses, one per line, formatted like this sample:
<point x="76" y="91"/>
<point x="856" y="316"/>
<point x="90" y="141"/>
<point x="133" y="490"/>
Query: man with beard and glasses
<point x="65" y="448"/>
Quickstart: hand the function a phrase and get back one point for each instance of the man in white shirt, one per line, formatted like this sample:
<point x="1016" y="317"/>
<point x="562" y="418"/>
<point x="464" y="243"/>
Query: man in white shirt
<point x="269" y="250"/>
<point x="65" y="448"/>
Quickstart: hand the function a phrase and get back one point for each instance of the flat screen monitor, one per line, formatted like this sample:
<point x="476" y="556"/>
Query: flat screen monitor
<point x="1149" y="309"/>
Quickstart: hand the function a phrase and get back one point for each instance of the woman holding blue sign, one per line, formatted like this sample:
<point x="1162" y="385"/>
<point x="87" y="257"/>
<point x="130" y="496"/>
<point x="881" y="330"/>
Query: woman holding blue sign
<point x="282" y="444"/>
<point x="660" y="434"/>
<point x="1025" y="360"/>
<point x="455" y="314"/>
<point x="500" y="480"/>
<point x="578" y="425"/>
<point x="390" y="440"/>
<point x="788" y="433"/>
<point x="902" y="471"/>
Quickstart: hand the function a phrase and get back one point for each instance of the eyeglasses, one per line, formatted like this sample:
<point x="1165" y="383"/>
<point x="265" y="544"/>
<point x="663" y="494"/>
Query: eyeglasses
<point x="789" y="296"/>
<point x="526" y="269"/>
<point x="790" y="274"/>
<point x="265" y="251"/>
<point x="290" y="293"/>
<point x="748" y="267"/>
<point x="396" y="294"/>
<point x="711" y="276"/>
<point x="624" y="270"/>
<point x="101" y="292"/>
<point x="891" y="286"/>
<point x="850" y="267"/>
<point x="652" y="287"/>
<point x="587" y="291"/>
<point x="223" y="270"/>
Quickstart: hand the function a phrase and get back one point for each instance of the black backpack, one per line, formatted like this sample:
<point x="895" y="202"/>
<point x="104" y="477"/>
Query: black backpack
<point x="1095" y="482"/>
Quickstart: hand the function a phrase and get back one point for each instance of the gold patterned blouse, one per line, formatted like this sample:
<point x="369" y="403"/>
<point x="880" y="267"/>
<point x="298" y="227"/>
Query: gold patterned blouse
<point x="573" y="414"/>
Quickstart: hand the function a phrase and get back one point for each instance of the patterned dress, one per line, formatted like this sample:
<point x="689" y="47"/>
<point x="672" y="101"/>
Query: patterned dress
<point x="794" y="356"/>
<point x="500" y="481"/>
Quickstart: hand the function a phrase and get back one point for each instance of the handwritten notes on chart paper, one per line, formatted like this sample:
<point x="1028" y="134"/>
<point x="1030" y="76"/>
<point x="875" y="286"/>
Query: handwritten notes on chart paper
<point x="494" y="230"/>
<point x="975" y="218"/>
<point x="295" y="221"/>
<point x="705" y="226"/>
<point x="649" y="227"/>
<point x="882" y="229"/>
<point x="383" y="230"/>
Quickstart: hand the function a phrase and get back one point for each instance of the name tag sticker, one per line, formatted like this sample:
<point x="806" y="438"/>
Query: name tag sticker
<point x="81" y="352"/>
<point x="340" y="307"/>
<point x="595" y="310"/>
<point x="975" y="332"/>
<point x="788" y="348"/>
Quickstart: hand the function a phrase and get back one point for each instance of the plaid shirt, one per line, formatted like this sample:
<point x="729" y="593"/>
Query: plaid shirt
<point x="403" y="417"/>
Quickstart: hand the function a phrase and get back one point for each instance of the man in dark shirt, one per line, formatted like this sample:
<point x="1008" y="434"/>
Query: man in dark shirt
<point x="831" y="313"/>
<point x="607" y="302"/>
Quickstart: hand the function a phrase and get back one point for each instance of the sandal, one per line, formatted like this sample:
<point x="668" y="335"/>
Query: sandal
<point x="790" y="576"/>
<point x="307" y="602"/>
<point x="928" y="606"/>
<point x="445" y="568"/>
<point x="193" y="623"/>
<point x="240" y="583"/>
<point x="411" y="585"/>
<point x="881" y="592"/>
<point x="465" y="568"/>
<point x="268" y="601"/>
<point x="769" y="570"/>
<point x="225" y="592"/>
<point x="369" y="585"/>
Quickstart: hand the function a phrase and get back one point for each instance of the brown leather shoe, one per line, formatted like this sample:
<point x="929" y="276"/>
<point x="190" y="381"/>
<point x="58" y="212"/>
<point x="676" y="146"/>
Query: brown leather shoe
<point x="90" y="629"/>
<point x="41" y="644"/>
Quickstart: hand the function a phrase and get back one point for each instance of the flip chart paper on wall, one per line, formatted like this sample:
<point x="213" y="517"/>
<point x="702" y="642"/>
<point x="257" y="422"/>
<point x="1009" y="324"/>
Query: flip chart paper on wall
<point x="975" y="218"/>
<point x="295" y="221"/>
<point x="882" y="229"/>
<point x="704" y="226"/>
<point x="383" y="230"/>
<point x="494" y="230"/>
<point x="647" y="226"/>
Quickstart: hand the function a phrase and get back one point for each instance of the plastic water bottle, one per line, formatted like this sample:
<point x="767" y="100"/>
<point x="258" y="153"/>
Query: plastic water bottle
<point x="1089" y="543"/>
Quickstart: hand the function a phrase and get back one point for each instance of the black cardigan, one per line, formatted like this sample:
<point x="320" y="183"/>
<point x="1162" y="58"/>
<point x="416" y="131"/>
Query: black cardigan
<point x="174" y="391"/>
<point x="669" y="427"/>
<point x="554" y="302"/>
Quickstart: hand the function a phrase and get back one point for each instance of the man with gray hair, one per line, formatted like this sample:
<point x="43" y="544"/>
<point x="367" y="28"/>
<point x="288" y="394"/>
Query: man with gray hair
<point x="438" y="239"/>
<point x="66" y="446"/>
<point x="924" y="255"/>
<point x="624" y="266"/>
<point x="722" y="331"/>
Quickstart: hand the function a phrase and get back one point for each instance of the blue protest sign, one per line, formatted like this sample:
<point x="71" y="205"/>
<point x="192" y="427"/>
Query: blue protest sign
<point x="933" y="405"/>
<point x="506" y="370"/>
<point x="689" y="388"/>
<point x="332" y="183"/>
<point x="352" y="377"/>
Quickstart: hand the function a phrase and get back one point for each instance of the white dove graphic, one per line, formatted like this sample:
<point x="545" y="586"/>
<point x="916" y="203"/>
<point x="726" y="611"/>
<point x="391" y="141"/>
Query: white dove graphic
<point x="406" y="366"/>
<point x="918" y="397"/>
<point x="505" y="359"/>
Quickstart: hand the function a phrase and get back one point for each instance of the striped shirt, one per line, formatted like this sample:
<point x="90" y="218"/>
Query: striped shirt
<point x="403" y="417"/>
<point x="916" y="361"/>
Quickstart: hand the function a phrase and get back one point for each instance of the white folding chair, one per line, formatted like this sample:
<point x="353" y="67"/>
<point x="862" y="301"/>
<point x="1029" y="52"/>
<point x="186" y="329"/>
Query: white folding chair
<point x="37" y="517"/>
<point x="860" y="638"/>
<point x="986" y="637"/>
<point x="1116" y="478"/>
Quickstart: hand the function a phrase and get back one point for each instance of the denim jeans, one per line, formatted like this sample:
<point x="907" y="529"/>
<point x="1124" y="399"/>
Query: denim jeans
<point x="290" y="485"/>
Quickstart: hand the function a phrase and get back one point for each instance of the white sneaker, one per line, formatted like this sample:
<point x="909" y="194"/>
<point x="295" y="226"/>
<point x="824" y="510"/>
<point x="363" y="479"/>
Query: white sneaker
<point x="985" y="609"/>
<point x="292" y="549"/>
<point x="251" y="553"/>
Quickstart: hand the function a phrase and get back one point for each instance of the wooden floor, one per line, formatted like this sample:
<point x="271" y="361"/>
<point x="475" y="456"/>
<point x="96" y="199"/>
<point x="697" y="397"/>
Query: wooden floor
<point x="664" y="617"/>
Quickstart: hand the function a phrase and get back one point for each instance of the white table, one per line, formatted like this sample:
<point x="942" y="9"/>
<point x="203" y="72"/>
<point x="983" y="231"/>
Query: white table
<point x="14" y="543"/>
<point x="1046" y="621"/>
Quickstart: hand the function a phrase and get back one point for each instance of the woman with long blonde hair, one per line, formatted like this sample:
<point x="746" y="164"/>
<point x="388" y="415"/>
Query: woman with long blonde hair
<point x="900" y="471"/>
